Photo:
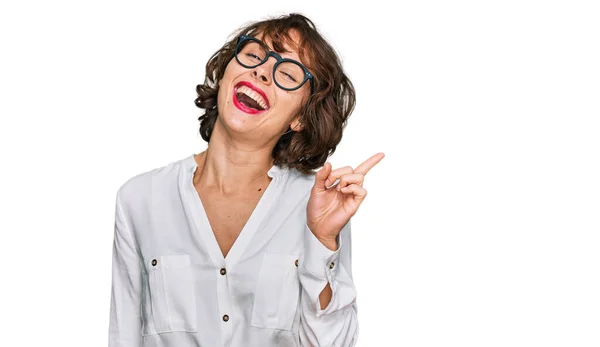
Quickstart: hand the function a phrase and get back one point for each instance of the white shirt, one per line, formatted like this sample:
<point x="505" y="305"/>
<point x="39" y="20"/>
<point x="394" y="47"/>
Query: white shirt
<point x="171" y="285"/>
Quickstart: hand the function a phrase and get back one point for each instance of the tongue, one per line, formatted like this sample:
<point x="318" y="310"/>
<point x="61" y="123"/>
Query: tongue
<point x="248" y="101"/>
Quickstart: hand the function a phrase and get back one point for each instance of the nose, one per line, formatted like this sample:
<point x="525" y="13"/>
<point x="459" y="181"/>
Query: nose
<point x="263" y="72"/>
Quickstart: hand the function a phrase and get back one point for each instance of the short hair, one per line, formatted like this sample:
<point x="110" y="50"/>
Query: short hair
<point x="325" y="113"/>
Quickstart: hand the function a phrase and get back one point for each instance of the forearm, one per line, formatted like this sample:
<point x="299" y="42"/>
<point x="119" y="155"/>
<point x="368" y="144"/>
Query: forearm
<point x="325" y="296"/>
<point x="125" y="303"/>
<point x="328" y="309"/>
<point x="338" y="328"/>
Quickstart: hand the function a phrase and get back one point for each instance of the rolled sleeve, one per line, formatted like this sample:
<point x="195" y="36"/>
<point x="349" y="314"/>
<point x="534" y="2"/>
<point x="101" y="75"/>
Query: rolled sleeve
<point x="126" y="289"/>
<point x="319" y="260"/>
<point x="337" y="324"/>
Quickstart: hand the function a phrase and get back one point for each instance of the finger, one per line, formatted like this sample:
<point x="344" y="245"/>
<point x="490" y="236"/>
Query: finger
<point x="369" y="163"/>
<point x="336" y="174"/>
<point x="353" y="178"/>
<point x="360" y="193"/>
<point x="321" y="176"/>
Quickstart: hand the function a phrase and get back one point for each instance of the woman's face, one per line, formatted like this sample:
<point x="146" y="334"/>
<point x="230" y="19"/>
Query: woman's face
<point x="250" y="102"/>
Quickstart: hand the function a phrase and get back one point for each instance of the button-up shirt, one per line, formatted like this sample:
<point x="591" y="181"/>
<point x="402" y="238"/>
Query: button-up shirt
<point x="172" y="286"/>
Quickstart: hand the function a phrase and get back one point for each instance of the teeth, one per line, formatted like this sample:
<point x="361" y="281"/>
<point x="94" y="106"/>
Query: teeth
<point x="254" y="95"/>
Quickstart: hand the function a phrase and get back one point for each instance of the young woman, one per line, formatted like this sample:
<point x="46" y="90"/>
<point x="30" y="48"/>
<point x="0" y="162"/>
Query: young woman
<point x="244" y="244"/>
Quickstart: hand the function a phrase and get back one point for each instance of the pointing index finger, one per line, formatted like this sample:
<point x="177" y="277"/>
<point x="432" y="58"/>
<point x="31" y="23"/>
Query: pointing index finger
<point x="369" y="163"/>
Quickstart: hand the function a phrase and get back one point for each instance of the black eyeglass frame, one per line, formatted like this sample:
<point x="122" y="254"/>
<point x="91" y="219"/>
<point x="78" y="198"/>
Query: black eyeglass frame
<point x="279" y="58"/>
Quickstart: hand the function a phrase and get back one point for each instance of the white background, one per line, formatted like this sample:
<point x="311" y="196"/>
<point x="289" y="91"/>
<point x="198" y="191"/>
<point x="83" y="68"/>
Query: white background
<point x="481" y="227"/>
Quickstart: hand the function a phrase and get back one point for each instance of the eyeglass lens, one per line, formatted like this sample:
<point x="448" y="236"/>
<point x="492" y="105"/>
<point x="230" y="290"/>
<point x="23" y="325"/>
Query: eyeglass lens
<point x="287" y="74"/>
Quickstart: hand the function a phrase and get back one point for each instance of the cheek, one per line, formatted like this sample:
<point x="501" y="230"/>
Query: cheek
<point x="227" y="76"/>
<point x="233" y="69"/>
<point x="293" y="101"/>
<point x="225" y="84"/>
<point x="222" y="96"/>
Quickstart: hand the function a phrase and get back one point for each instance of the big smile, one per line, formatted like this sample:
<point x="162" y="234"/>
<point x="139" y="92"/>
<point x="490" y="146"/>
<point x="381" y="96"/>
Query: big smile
<point x="249" y="98"/>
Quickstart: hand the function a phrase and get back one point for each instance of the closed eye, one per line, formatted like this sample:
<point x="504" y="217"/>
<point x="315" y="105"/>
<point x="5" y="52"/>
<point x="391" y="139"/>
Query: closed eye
<point x="288" y="76"/>
<point x="254" y="56"/>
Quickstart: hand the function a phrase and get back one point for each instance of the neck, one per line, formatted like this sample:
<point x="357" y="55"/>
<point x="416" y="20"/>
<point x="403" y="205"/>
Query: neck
<point x="231" y="169"/>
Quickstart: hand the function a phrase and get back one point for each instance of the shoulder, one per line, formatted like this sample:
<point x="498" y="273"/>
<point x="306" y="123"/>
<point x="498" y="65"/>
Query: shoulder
<point x="299" y="183"/>
<point x="142" y="184"/>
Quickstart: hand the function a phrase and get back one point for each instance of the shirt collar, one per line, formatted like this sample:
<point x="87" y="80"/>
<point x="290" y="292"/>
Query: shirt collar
<point x="274" y="171"/>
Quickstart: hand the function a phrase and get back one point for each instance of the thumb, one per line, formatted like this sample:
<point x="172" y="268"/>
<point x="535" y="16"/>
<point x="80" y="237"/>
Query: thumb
<point x="321" y="176"/>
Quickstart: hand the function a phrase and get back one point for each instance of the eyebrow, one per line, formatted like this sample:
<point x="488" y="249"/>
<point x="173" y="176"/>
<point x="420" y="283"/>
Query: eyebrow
<point x="284" y="43"/>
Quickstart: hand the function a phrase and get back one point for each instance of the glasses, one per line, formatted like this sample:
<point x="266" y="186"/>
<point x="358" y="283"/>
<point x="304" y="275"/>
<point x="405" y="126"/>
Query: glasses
<point x="288" y="74"/>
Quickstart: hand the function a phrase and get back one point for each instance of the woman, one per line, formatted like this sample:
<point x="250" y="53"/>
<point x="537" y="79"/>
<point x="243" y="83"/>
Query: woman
<point x="243" y="244"/>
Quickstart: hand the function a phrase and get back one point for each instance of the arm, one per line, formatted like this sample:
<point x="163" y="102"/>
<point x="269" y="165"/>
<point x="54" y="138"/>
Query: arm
<point x="125" y="321"/>
<point x="332" y="323"/>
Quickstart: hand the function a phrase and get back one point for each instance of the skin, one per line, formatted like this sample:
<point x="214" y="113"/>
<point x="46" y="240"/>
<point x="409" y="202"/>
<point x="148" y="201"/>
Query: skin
<point x="240" y="146"/>
<point x="330" y="207"/>
<point x="239" y="152"/>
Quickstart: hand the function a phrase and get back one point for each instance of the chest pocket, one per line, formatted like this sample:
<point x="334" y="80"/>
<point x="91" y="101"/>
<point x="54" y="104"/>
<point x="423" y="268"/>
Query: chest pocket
<point x="170" y="302"/>
<point x="277" y="292"/>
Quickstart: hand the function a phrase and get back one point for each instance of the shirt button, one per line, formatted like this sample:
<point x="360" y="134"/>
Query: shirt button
<point x="154" y="262"/>
<point x="223" y="271"/>
<point x="296" y="263"/>
<point x="225" y="318"/>
<point x="331" y="265"/>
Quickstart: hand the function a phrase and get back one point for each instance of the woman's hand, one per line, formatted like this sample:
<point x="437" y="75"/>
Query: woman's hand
<point x="331" y="207"/>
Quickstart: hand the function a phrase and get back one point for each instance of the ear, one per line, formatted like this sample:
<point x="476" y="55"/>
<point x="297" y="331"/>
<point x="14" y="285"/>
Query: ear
<point x="296" y="125"/>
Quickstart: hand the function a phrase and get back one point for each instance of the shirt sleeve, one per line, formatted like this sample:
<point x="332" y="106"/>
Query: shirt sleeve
<point x="337" y="324"/>
<point x="125" y="304"/>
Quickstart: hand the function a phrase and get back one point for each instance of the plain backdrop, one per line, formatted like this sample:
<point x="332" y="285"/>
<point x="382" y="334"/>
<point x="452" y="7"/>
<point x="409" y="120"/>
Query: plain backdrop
<point x="481" y="227"/>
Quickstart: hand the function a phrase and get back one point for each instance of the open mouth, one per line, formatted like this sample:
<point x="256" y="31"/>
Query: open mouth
<point x="249" y="98"/>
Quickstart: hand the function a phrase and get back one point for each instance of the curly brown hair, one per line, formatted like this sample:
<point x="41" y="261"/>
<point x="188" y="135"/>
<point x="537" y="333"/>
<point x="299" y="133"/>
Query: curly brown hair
<point x="324" y="115"/>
